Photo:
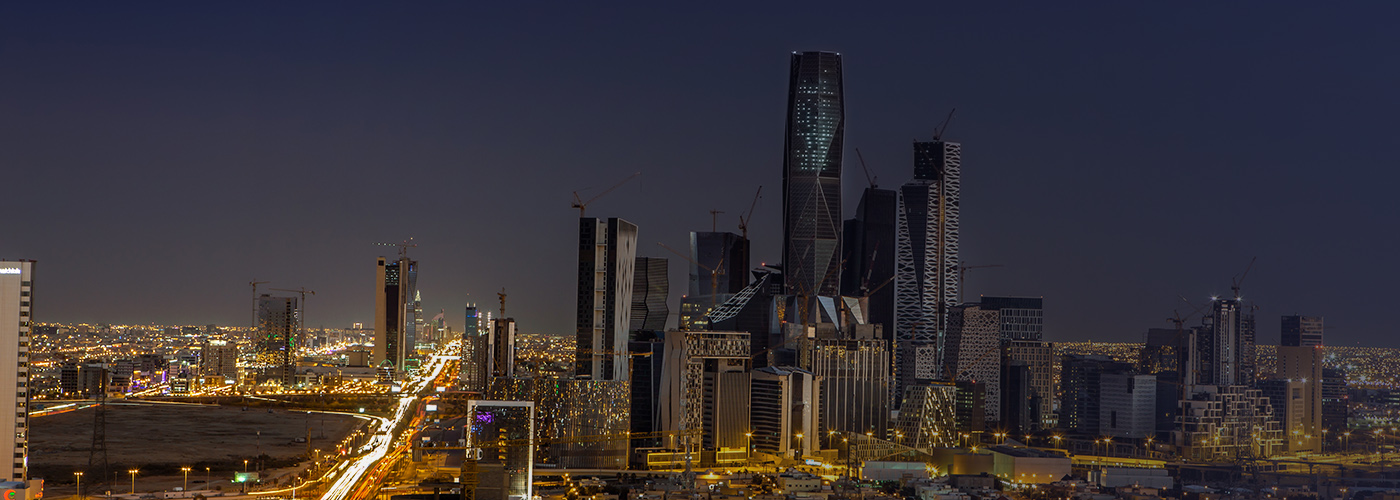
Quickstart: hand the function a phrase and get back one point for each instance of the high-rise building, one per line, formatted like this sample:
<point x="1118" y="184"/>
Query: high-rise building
<point x="972" y="352"/>
<point x="651" y="288"/>
<point x="783" y="405"/>
<point x="395" y="317"/>
<point x="279" y="320"/>
<point x="1038" y="357"/>
<point x="607" y="254"/>
<point x="1303" y="411"/>
<point x="725" y="252"/>
<point x="503" y="472"/>
<point x="1020" y="403"/>
<point x="16" y="296"/>
<point x="853" y="381"/>
<point x="569" y="409"/>
<point x="705" y="385"/>
<point x="1127" y="405"/>
<point x="812" y="156"/>
<point x="219" y="362"/>
<point x="928" y="418"/>
<point x="1021" y="317"/>
<point x="1301" y="331"/>
<point x="648" y="349"/>
<point x="927" y="276"/>
<point x="1081" y="379"/>
<point x="1334" y="400"/>
<point x="1224" y="346"/>
<point x="1221" y="423"/>
<point x="476" y="354"/>
<point x="1159" y="352"/>
<point x="502" y="347"/>
<point x="869" y="247"/>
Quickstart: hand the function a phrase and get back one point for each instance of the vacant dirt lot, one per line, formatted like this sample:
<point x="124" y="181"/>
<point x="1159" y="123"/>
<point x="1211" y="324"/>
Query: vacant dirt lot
<point x="158" y="439"/>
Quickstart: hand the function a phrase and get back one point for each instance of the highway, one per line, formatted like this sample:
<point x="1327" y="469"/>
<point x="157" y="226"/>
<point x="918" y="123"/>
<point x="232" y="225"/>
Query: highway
<point x="346" y="487"/>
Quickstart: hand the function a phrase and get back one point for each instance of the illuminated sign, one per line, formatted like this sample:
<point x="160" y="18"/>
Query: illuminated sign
<point x="432" y="407"/>
<point x="9" y="270"/>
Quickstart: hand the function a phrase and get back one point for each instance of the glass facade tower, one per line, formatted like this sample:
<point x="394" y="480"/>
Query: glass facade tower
<point x="816" y="125"/>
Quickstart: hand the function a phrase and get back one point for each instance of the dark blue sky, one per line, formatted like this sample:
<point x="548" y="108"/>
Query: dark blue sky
<point x="159" y="156"/>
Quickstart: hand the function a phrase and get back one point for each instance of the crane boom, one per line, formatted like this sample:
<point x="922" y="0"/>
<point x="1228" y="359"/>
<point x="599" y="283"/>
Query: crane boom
<point x="583" y="205"/>
<point x="403" y="246"/>
<point x="938" y="132"/>
<point x="744" y="221"/>
<point x="868" y="178"/>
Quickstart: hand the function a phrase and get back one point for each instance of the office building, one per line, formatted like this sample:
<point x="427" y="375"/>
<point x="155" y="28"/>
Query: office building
<point x="503" y="472"/>
<point x="219" y="362"/>
<point x="1081" y="390"/>
<point x="1127" y="405"/>
<point x="970" y="410"/>
<point x="1020" y="403"/>
<point x="502" y="348"/>
<point x="16" y="309"/>
<point x="705" y="385"/>
<point x="279" y="320"/>
<point x="972" y="352"/>
<point x="1301" y="331"/>
<point x="869" y="246"/>
<point x="853" y="381"/>
<point x="927" y="279"/>
<point x="413" y="332"/>
<point x="727" y="254"/>
<point x="566" y="409"/>
<point x="1022" y="318"/>
<point x="1302" y="414"/>
<point x="607" y="254"/>
<point x="755" y="310"/>
<point x="1038" y="357"/>
<point x="1159" y="351"/>
<point x="783" y="405"/>
<point x="1224" y="346"/>
<point x="812" y="156"/>
<point x="395" y="317"/>
<point x="475" y="372"/>
<point x="650" y="290"/>
<point x="648" y="350"/>
<point x="1335" y="400"/>
<point x="1287" y="400"/>
<point x="928" y="417"/>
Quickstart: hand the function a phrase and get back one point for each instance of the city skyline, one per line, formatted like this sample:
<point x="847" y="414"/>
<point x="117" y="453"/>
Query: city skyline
<point x="1101" y="214"/>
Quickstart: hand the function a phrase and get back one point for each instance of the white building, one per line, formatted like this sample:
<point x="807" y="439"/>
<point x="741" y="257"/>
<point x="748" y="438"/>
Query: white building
<point x="15" y="287"/>
<point x="1127" y="405"/>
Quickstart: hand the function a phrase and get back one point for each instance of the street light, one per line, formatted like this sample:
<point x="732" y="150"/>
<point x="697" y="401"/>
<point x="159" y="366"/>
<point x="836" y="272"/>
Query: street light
<point x="78" y="476"/>
<point x="186" y="470"/>
<point x="245" y="465"/>
<point x="133" y="480"/>
<point x="206" y="478"/>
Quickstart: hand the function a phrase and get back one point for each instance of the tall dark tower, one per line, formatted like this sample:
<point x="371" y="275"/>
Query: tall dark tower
<point x="816" y="124"/>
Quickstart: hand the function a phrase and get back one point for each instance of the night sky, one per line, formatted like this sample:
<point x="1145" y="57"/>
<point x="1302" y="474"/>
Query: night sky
<point x="157" y="157"/>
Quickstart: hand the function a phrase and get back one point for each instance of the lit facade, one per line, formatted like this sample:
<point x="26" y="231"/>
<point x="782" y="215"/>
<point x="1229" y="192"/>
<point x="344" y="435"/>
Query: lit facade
<point x="568" y="412"/>
<point x="651" y="288"/>
<point x="395" y="313"/>
<point x="927" y="279"/>
<point x="16" y="296"/>
<point x="783" y="406"/>
<point x="972" y="352"/>
<point x="496" y="421"/>
<point x="853" y="381"/>
<point x="928" y="418"/>
<point x="476" y="354"/>
<point x="705" y="385"/>
<point x="279" y="320"/>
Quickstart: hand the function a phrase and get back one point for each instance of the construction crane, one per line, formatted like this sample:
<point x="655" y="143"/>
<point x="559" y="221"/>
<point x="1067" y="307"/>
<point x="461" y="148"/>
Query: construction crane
<point x="714" y="273"/>
<point x="403" y="246"/>
<point x="744" y="220"/>
<point x="962" y="272"/>
<point x="303" y="291"/>
<point x="938" y="132"/>
<point x="255" y="284"/>
<point x="1238" y="280"/>
<point x="868" y="178"/>
<point x="502" y="295"/>
<point x="714" y="220"/>
<point x="582" y="205"/>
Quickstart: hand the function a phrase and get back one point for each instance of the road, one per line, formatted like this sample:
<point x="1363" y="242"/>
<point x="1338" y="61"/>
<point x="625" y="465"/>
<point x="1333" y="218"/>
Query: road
<point x="347" y="486"/>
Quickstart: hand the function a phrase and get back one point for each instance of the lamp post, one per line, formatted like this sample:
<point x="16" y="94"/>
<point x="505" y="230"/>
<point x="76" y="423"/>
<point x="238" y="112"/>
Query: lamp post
<point x="245" y="465"/>
<point x="78" y="476"/>
<point x="186" y="470"/>
<point x="748" y="447"/>
<point x="206" y="478"/>
<point x="799" y="445"/>
<point x="133" y="480"/>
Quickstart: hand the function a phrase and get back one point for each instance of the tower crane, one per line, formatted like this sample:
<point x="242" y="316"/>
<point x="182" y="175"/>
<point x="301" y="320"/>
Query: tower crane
<point x="1238" y="280"/>
<point x="582" y="205"/>
<point x="502" y="295"/>
<point x="744" y="220"/>
<point x="868" y="178"/>
<point x="962" y="272"/>
<point x="938" y="132"/>
<point x="255" y="284"/>
<point x="714" y="273"/>
<point x="403" y="246"/>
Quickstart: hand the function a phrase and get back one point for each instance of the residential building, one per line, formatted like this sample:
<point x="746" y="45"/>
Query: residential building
<point x="16" y="318"/>
<point x="1303" y="413"/>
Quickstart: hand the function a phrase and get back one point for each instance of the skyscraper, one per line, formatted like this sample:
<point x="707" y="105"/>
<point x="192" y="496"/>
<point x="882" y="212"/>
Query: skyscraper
<point x="607" y="252"/>
<point x="1301" y="331"/>
<point x="279" y="320"/>
<point x="926" y="261"/>
<point x="853" y="383"/>
<point x="973" y="353"/>
<point x="16" y="288"/>
<point x="476" y="354"/>
<point x="812" y="153"/>
<point x="1021" y="317"/>
<point x="651" y="288"/>
<point x="502" y="347"/>
<point x="394" y="312"/>
<point x="869" y="246"/>
<point x="1224" y="350"/>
